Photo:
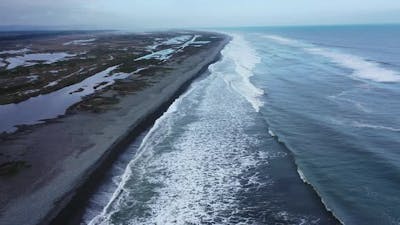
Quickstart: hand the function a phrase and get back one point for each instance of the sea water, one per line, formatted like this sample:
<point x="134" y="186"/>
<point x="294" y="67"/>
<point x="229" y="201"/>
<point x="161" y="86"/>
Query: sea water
<point x="292" y="126"/>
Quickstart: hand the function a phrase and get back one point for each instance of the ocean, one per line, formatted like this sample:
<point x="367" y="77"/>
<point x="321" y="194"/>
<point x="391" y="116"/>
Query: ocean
<point x="295" y="125"/>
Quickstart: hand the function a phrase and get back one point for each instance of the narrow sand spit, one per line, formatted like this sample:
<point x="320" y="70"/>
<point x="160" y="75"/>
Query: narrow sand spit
<point x="66" y="155"/>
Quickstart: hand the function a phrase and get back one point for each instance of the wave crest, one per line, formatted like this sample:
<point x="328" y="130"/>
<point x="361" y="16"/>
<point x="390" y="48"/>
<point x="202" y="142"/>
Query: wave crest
<point x="245" y="59"/>
<point x="362" y="68"/>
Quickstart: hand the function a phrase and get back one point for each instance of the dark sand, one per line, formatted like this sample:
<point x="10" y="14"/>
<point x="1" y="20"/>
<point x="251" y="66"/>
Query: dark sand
<point x="65" y="155"/>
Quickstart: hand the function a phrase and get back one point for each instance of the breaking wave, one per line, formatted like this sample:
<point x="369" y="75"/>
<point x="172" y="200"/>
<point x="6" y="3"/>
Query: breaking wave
<point x="362" y="68"/>
<point x="189" y="167"/>
<point x="245" y="59"/>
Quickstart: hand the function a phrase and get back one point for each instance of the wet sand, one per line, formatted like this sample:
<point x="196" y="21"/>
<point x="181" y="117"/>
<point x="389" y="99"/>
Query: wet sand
<point x="65" y="156"/>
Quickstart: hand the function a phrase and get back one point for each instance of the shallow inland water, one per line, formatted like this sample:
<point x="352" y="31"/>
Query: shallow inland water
<point x="54" y="104"/>
<point x="49" y="106"/>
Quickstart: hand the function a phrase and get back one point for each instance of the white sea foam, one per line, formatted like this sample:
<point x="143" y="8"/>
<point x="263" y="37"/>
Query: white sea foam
<point x="245" y="59"/>
<point x="371" y="126"/>
<point x="196" y="178"/>
<point x="189" y="172"/>
<point x="283" y="40"/>
<point x="304" y="179"/>
<point x="190" y="168"/>
<point x="157" y="133"/>
<point x="270" y="132"/>
<point x="340" y="98"/>
<point x="361" y="67"/>
<point x="363" y="125"/>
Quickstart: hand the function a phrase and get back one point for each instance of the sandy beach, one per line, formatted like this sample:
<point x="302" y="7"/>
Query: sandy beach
<point x="61" y="159"/>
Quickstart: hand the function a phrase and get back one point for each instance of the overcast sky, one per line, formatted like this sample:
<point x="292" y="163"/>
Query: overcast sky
<point x="153" y="14"/>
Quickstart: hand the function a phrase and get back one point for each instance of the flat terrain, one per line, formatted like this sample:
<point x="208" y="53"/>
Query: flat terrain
<point x="68" y="100"/>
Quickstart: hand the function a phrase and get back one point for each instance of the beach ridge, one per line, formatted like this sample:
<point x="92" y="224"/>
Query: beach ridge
<point x="87" y="143"/>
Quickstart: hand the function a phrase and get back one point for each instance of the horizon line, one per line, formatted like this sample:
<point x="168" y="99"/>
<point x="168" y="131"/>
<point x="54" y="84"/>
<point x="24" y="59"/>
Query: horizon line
<point x="16" y="28"/>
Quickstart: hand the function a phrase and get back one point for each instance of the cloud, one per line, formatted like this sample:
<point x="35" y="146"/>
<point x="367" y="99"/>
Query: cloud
<point x="193" y="13"/>
<point x="37" y="12"/>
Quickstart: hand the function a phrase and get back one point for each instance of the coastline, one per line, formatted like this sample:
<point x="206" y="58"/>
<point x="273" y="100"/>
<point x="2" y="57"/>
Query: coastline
<point x="54" y="196"/>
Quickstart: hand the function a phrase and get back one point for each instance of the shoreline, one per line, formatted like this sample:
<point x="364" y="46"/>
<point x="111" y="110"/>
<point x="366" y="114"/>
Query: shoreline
<point x="54" y="197"/>
<point x="69" y="214"/>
